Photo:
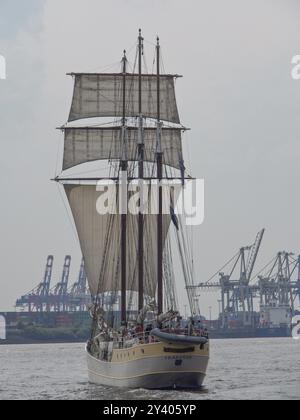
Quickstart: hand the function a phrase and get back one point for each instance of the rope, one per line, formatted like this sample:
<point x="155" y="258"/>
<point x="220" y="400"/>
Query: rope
<point x="233" y="258"/>
<point x="67" y="212"/>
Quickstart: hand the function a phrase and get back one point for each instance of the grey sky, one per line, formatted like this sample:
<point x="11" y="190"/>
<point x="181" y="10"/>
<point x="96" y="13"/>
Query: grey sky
<point x="237" y="95"/>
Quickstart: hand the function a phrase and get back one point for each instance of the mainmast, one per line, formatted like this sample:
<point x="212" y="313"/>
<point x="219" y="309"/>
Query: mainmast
<point x="124" y="169"/>
<point x="141" y="151"/>
<point x="160" y="195"/>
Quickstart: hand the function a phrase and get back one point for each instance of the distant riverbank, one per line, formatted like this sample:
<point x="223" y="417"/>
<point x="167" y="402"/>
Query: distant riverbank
<point x="42" y="335"/>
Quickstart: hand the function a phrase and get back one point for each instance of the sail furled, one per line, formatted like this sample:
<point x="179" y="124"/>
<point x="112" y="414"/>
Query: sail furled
<point x="101" y="95"/>
<point x="100" y="240"/>
<point x="89" y="144"/>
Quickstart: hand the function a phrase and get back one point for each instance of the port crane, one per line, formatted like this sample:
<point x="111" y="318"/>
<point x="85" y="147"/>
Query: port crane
<point x="61" y="297"/>
<point x="79" y="296"/>
<point x="61" y="289"/>
<point x="237" y="295"/>
<point x="79" y="287"/>
<point x="37" y="300"/>
<point x="277" y="286"/>
<point x="236" y="292"/>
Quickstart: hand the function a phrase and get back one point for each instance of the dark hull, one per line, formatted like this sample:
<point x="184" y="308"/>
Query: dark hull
<point x="251" y="333"/>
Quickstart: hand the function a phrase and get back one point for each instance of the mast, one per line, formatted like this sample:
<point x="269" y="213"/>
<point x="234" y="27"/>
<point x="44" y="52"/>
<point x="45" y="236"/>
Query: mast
<point x="124" y="168"/>
<point x="141" y="151"/>
<point x="160" y="195"/>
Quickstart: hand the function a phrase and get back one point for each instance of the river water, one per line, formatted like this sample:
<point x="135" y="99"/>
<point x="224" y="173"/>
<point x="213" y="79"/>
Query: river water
<point x="239" y="369"/>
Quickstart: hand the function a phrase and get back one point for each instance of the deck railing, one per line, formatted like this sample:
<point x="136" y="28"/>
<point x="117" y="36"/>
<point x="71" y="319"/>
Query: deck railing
<point x="132" y="338"/>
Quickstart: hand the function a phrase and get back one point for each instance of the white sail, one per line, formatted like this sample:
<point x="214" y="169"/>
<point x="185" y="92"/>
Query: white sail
<point x="101" y="95"/>
<point x="100" y="240"/>
<point x="90" y="144"/>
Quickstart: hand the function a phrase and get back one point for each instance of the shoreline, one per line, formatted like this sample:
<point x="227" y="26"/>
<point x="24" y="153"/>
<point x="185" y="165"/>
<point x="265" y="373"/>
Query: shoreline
<point x="39" y="342"/>
<point x="25" y="342"/>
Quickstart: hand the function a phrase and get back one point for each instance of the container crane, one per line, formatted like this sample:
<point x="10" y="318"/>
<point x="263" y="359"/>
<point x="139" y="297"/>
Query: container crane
<point x="60" y="294"/>
<point x="237" y="294"/>
<point x="37" y="299"/>
<point x="79" y="297"/>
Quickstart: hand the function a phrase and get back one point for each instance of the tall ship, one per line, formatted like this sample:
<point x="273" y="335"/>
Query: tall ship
<point x="127" y="223"/>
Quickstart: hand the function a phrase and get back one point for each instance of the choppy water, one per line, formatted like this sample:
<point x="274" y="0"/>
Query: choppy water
<point x="239" y="369"/>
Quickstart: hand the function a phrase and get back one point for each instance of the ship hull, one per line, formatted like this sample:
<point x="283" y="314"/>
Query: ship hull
<point x="151" y="366"/>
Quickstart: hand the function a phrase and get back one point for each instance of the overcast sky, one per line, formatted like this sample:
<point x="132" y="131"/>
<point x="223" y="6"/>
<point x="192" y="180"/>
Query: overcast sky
<point x="237" y="95"/>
